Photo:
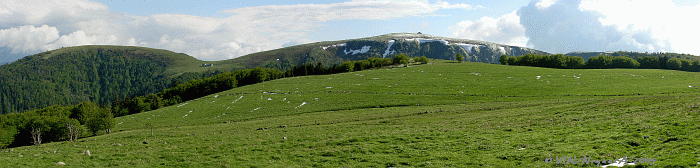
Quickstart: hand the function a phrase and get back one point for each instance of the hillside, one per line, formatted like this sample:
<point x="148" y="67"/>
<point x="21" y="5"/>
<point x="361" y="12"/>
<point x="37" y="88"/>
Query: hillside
<point x="72" y="75"/>
<point x="441" y="114"/>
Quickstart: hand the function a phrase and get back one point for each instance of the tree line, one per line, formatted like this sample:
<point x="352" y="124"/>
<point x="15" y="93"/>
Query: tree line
<point x="602" y="62"/>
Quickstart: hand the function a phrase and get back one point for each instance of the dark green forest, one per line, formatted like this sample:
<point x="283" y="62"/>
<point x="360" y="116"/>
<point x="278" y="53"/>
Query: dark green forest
<point x="88" y="73"/>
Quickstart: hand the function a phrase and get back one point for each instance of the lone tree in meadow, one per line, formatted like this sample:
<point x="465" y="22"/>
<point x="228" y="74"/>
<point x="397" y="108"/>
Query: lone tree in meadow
<point x="460" y="57"/>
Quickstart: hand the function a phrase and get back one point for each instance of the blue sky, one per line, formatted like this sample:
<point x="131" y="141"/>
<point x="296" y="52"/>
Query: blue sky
<point x="218" y="30"/>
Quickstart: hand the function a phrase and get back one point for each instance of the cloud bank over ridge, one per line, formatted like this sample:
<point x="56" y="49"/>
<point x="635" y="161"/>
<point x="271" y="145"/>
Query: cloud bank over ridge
<point x="30" y="27"/>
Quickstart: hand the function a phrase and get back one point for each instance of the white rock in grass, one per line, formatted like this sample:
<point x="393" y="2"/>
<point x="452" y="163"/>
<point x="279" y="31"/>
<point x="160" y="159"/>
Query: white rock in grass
<point x="61" y="164"/>
<point x="269" y="98"/>
<point x="215" y="96"/>
<point x="301" y="105"/>
<point x="237" y="99"/>
<point x="618" y="163"/>
<point x="87" y="152"/>
<point x="538" y="77"/>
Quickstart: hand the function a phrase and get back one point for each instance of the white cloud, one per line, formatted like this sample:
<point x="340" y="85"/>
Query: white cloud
<point x="504" y="30"/>
<point x="669" y="21"/>
<point x="45" y="25"/>
<point x="566" y="26"/>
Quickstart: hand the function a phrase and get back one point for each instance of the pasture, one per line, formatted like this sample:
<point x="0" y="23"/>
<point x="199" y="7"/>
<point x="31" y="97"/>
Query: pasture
<point x="441" y="114"/>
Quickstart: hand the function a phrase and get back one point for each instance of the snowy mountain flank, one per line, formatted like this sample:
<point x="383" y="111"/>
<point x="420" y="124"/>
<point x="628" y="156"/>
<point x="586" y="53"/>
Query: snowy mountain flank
<point x="383" y="46"/>
<point x="430" y="46"/>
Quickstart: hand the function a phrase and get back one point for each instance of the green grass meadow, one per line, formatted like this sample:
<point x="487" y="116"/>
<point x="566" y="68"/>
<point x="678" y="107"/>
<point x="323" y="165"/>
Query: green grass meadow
<point x="441" y="114"/>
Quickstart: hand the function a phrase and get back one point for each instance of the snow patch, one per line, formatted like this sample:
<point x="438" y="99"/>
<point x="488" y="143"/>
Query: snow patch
<point x="334" y="45"/>
<point x="467" y="46"/>
<point x="423" y="40"/>
<point x="255" y="109"/>
<point x="358" y="51"/>
<point x="182" y="105"/>
<point x="502" y="49"/>
<point x="391" y="42"/>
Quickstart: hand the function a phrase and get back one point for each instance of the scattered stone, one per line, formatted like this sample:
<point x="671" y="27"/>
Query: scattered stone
<point x="283" y="126"/>
<point x="61" y="164"/>
<point x="284" y="138"/>
<point x="54" y="151"/>
<point x="35" y="155"/>
<point x="87" y="152"/>
<point x="165" y="143"/>
<point x="75" y="145"/>
<point x="12" y="150"/>
<point x="119" y="144"/>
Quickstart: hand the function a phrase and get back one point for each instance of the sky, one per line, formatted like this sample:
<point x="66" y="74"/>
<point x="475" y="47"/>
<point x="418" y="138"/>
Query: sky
<point x="223" y="29"/>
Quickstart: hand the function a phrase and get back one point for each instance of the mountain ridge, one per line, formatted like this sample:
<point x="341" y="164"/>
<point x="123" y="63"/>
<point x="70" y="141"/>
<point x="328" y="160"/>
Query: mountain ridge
<point x="32" y="82"/>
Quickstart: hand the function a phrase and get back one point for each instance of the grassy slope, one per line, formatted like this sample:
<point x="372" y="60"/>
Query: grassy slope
<point x="442" y="115"/>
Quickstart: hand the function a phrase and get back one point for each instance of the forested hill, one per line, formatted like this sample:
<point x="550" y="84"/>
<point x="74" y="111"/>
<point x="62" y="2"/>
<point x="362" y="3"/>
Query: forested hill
<point x="72" y="75"/>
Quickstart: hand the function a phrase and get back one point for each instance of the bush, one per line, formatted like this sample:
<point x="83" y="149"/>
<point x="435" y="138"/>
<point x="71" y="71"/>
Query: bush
<point x="674" y="63"/>
<point x="101" y="121"/>
<point x="7" y="136"/>
<point x="347" y="66"/>
<point x="459" y="57"/>
<point x="503" y="59"/>
<point x="422" y="60"/>
<point x="400" y="59"/>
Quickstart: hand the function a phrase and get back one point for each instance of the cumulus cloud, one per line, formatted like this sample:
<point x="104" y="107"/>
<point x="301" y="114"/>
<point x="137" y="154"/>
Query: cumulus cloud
<point x="566" y="26"/>
<point x="562" y="26"/>
<point x="504" y="30"/>
<point x="29" y="27"/>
